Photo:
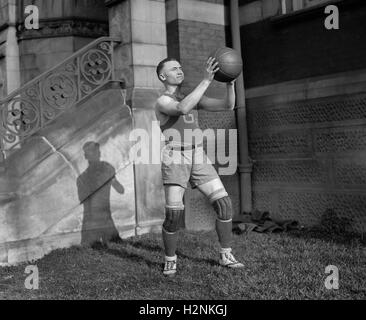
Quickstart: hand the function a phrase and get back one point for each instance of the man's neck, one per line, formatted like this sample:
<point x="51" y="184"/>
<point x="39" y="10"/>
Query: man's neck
<point x="172" y="89"/>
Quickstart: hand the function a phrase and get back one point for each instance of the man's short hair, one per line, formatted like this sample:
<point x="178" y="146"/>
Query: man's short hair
<point x="162" y="63"/>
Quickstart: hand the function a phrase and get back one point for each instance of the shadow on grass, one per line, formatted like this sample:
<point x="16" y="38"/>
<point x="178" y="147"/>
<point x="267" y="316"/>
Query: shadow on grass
<point x="159" y="249"/>
<point x="125" y="254"/>
<point x="142" y="245"/>
<point x="211" y="262"/>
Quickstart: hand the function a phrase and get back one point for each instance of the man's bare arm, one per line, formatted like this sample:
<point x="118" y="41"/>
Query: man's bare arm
<point x="117" y="186"/>
<point x="171" y="107"/>
<point x="216" y="105"/>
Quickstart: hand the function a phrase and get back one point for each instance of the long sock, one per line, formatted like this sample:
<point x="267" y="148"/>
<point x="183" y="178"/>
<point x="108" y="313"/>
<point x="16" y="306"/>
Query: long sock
<point x="170" y="240"/>
<point x="224" y="232"/>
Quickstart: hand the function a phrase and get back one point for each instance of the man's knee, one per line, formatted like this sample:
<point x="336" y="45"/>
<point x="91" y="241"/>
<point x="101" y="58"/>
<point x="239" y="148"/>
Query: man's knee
<point x="173" y="216"/>
<point x="221" y="202"/>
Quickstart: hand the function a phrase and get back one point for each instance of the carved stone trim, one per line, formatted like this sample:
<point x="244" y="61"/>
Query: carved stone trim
<point x="38" y="103"/>
<point x="62" y="28"/>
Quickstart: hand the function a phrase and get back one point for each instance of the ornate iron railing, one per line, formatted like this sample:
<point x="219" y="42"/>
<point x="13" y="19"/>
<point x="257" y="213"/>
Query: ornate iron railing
<point x="40" y="101"/>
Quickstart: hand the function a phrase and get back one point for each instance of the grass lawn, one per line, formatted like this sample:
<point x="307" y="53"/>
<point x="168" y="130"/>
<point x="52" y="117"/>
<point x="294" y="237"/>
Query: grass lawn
<point x="277" y="266"/>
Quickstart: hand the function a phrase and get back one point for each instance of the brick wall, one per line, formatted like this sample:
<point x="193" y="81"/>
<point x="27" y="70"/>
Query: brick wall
<point x="196" y="41"/>
<point x="277" y="51"/>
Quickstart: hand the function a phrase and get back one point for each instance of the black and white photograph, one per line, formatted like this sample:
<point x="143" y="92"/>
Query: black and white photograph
<point x="182" y="155"/>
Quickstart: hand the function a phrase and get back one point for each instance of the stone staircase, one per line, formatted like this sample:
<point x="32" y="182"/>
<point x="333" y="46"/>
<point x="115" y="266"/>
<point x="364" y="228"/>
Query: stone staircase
<point x="55" y="191"/>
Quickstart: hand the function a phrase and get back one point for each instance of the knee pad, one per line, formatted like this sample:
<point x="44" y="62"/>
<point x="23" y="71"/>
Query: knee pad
<point x="223" y="208"/>
<point x="220" y="193"/>
<point x="173" y="216"/>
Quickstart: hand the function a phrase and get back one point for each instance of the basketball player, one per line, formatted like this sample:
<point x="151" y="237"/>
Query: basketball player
<point x="177" y="112"/>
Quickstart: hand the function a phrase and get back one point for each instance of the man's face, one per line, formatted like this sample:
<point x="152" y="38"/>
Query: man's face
<point x="172" y="73"/>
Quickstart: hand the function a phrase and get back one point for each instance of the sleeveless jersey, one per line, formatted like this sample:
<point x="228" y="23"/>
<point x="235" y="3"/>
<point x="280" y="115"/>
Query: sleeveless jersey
<point x="180" y="123"/>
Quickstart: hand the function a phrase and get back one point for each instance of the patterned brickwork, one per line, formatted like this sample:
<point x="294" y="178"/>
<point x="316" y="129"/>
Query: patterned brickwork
<point x="313" y="111"/>
<point x="316" y="147"/>
<point x="350" y="173"/>
<point x="217" y="120"/>
<point x="305" y="207"/>
<point x="340" y="140"/>
<point x="332" y="140"/>
<point x="298" y="172"/>
<point x="280" y="143"/>
<point x="262" y="201"/>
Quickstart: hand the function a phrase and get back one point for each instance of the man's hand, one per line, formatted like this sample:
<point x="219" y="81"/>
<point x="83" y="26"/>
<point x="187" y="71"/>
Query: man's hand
<point x="211" y="69"/>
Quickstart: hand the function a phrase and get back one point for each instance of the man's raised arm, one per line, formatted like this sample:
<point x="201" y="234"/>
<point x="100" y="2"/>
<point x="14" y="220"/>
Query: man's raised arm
<point x="215" y="105"/>
<point x="171" y="107"/>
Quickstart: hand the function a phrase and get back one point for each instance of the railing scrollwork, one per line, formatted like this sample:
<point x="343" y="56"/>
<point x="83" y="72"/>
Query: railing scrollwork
<point x="33" y="106"/>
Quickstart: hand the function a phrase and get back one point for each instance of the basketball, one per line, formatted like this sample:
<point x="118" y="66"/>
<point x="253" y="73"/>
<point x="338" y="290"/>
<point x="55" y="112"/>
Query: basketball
<point x="230" y="64"/>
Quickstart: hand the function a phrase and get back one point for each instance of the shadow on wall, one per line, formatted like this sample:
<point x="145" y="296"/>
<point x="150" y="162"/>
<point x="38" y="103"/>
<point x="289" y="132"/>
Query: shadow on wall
<point x="94" y="187"/>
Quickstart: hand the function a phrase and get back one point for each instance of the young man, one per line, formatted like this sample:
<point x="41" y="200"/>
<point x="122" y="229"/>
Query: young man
<point x="185" y="161"/>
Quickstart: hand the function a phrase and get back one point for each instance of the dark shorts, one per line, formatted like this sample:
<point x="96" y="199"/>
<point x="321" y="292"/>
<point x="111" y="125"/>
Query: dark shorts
<point x="180" y="167"/>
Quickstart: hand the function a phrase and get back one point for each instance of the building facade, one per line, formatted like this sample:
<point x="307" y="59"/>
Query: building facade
<point x="305" y="102"/>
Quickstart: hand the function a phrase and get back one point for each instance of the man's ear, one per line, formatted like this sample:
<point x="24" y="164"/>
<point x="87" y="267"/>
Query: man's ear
<point x="162" y="77"/>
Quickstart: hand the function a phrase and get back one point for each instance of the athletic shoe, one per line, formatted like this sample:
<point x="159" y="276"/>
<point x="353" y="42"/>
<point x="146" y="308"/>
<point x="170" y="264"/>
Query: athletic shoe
<point x="228" y="260"/>
<point x="170" y="267"/>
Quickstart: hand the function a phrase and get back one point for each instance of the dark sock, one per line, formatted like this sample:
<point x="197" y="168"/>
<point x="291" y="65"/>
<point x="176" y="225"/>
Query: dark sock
<point x="224" y="230"/>
<point x="170" y="242"/>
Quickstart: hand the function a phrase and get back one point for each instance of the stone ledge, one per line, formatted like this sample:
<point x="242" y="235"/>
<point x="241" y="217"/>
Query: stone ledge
<point x="350" y="82"/>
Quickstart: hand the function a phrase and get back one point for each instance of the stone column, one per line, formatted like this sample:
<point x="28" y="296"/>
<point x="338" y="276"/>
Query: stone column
<point x="9" y="53"/>
<point x="9" y="50"/>
<point x="140" y="24"/>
